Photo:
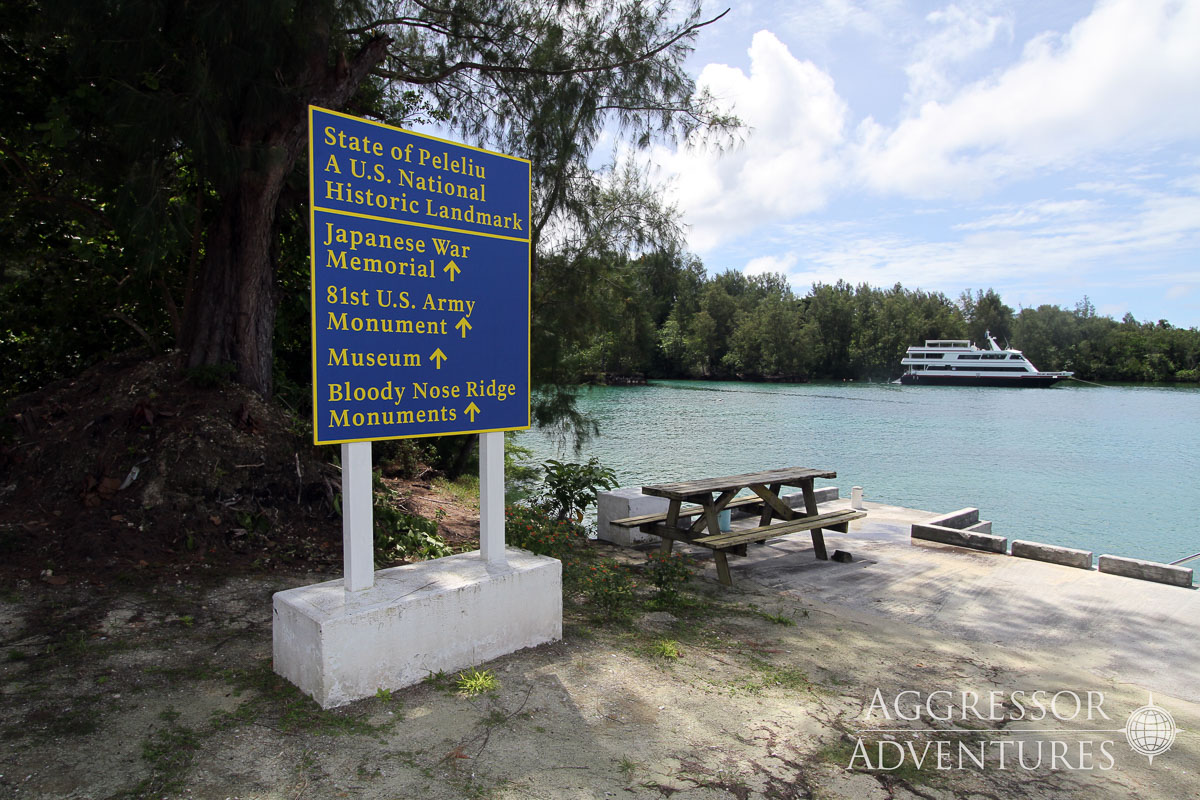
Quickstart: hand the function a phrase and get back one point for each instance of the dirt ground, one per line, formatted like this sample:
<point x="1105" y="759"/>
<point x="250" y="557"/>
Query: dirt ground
<point x="146" y="520"/>
<point x="165" y="689"/>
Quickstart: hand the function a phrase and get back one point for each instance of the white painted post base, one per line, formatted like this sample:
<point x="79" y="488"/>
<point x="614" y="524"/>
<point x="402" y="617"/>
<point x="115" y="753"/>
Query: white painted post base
<point x="446" y="614"/>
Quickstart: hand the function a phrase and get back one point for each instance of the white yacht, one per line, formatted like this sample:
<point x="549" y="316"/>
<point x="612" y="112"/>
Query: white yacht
<point x="957" y="362"/>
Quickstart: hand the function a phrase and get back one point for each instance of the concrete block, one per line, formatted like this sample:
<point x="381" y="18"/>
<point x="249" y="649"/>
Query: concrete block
<point x="961" y="538"/>
<point x="625" y="502"/>
<point x="983" y="526"/>
<point x="1146" y="570"/>
<point x="960" y="520"/>
<point x="446" y="614"/>
<point x="1067" y="556"/>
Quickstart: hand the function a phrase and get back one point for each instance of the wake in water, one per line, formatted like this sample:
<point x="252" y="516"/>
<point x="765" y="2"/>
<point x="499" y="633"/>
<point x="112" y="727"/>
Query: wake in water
<point x="779" y="394"/>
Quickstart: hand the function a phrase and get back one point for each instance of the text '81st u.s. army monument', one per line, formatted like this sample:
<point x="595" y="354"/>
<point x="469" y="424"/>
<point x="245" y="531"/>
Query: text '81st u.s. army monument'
<point x="420" y="284"/>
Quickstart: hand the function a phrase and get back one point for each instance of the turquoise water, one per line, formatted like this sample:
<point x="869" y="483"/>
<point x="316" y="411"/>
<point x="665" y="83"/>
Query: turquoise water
<point x="1113" y="470"/>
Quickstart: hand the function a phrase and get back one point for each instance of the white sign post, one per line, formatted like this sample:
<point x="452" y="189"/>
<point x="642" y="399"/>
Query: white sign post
<point x="420" y="301"/>
<point x="358" y="518"/>
<point x="491" y="497"/>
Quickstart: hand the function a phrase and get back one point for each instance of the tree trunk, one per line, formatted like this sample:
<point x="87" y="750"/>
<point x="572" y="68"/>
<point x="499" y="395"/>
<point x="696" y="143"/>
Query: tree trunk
<point x="232" y="318"/>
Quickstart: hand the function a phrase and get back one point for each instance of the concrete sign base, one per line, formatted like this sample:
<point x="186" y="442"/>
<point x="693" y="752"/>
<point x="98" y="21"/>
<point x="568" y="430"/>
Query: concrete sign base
<point x="446" y="614"/>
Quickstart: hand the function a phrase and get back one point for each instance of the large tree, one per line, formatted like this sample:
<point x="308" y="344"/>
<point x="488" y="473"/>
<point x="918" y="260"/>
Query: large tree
<point x="183" y="124"/>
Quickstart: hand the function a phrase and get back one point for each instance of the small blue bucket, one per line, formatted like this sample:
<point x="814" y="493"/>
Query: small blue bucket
<point x="724" y="520"/>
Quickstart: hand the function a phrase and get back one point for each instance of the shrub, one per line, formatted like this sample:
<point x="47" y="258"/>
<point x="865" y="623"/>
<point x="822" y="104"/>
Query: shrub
<point x="668" y="572"/>
<point x="532" y="530"/>
<point x="609" y="589"/>
<point x="406" y="537"/>
<point x="400" y="536"/>
<point x="570" y="488"/>
<point x="473" y="682"/>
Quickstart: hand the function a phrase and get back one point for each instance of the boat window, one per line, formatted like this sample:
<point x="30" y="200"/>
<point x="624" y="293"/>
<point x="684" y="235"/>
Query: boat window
<point x="992" y="355"/>
<point x="934" y="355"/>
<point x="969" y="356"/>
<point x="1017" y="357"/>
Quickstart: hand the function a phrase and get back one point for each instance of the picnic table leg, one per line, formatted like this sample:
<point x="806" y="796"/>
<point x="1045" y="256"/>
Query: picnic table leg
<point x="722" y="567"/>
<point x="768" y="513"/>
<point x="710" y="516"/>
<point x="672" y="520"/>
<point x="707" y="519"/>
<point x="810" y="506"/>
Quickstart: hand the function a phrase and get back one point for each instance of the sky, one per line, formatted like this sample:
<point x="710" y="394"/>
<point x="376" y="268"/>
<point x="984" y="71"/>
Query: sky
<point x="1046" y="149"/>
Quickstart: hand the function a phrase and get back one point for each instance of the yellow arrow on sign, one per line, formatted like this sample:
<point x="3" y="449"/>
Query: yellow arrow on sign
<point x="438" y="356"/>
<point x="463" y="326"/>
<point x="472" y="410"/>
<point x="453" y="269"/>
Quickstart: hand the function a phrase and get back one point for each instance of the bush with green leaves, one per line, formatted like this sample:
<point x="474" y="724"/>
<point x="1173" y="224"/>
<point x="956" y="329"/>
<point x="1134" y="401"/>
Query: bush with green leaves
<point x="406" y="537"/>
<point x="530" y="529"/>
<point x="608" y="587"/>
<point x="570" y="488"/>
<point x="668" y="572"/>
<point x="400" y="536"/>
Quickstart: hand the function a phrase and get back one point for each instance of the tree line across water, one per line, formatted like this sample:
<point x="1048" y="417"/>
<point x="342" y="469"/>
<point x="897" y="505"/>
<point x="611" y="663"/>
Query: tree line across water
<point x="155" y="161"/>
<point x="667" y="318"/>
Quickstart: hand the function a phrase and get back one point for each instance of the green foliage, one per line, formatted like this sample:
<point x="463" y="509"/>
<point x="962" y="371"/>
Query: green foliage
<point x="399" y="458"/>
<point x="731" y="326"/>
<point x="530" y="529"/>
<point x="520" y="476"/>
<point x="400" y="536"/>
<point x="143" y="136"/>
<point x="608" y="587"/>
<point x="986" y="313"/>
<point x="474" y="682"/>
<point x="273" y="700"/>
<point x="169" y="752"/>
<point x="1101" y="349"/>
<point x="670" y="320"/>
<point x="666" y="649"/>
<point x="438" y="680"/>
<point x="406" y="537"/>
<point x="570" y="488"/>
<point x="668" y="572"/>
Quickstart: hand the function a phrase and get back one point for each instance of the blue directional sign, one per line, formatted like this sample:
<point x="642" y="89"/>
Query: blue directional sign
<point x="420" y="284"/>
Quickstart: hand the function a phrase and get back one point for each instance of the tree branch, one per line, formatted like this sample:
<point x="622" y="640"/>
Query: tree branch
<point x="475" y="66"/>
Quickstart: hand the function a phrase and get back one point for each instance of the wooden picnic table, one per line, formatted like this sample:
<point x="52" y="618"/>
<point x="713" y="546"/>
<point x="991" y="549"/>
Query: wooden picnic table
<point x="710" y="496"/>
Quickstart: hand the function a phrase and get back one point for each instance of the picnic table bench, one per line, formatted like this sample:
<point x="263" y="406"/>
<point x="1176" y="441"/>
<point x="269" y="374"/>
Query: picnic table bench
<point x="708" y="497"/>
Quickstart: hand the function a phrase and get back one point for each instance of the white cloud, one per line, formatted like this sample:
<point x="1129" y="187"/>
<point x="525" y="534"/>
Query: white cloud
<point x="1032" y="214"/>
<point x="789" y="162"/>
<point x="1069" y="249"/>
<point x="1099" y="120"/>
<point x="766" y="264"/>
<point x="962" y="33"/>
<point x="1123" y="78"/>
<point x="827" y="17"/>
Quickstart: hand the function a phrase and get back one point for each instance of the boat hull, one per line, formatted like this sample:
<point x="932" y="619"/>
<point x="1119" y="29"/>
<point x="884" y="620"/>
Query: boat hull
<point x="1029" y="381"/>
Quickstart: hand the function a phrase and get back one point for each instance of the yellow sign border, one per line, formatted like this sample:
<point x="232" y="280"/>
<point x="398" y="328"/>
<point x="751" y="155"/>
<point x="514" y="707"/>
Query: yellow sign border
<point x="312" y="284"/>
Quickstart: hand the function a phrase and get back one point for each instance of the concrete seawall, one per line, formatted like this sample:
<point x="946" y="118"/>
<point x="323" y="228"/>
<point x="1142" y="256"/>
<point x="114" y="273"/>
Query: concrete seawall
<point x="1126" y="628"/>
